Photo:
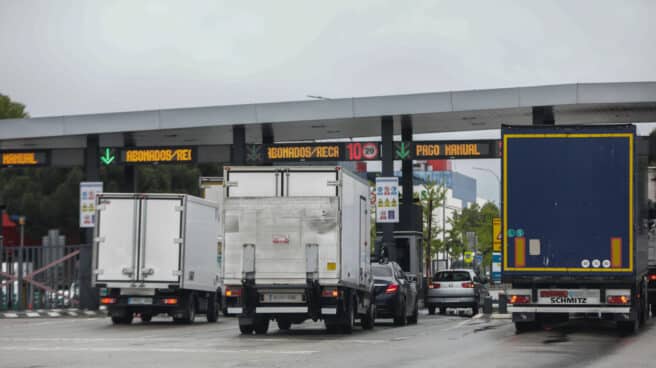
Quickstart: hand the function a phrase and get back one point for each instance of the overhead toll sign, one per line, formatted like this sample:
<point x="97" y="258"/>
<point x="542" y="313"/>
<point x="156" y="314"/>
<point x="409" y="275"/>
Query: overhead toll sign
<point x="351" y="151"/>
<point x="152" y="155"/>
<point x="24" y="158"/>
<point x="446" y="150"/>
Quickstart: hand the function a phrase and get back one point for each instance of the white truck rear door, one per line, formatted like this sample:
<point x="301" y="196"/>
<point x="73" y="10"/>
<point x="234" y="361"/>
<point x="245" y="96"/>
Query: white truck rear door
<point x="117" y="240"/>
<point x="161" y="239"/>
<point x="253" y="184"/>
<point x="310" y="183"/>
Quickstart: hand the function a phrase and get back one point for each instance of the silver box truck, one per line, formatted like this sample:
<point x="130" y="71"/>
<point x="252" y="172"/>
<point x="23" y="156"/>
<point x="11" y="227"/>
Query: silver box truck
<point x="157" y="253"/>
<point x="297" y="247"/>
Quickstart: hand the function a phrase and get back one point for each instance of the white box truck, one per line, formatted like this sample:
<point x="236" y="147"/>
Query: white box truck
<point x="157" y="253"/>
<point x="297" y="247"/>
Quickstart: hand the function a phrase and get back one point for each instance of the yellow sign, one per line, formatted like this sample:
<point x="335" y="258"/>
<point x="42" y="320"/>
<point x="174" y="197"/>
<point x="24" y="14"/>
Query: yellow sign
<point x="132" y="156"/>
<point x="303" y="152"/>
<point x="469" y="257"/>
<point x="496" y="234"/>
<point x="24" y="158"/>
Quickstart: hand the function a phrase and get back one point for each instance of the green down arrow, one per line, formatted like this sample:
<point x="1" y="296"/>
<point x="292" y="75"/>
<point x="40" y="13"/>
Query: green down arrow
<point x="403" y="152"/>
<point x="108" y="157"/>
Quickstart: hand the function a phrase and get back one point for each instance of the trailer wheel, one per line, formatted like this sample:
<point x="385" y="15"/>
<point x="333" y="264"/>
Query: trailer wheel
<point x="284" y="324"/>
<point x="261" y="326"/>
<point x="212" y="308"/>
<point x="431" y="309"/>
<point x="521" y="327"/>
<point x="442" y="310"/>
<point x="368" y="320"/>
<point x="246" y="329"/>
<point x="145" y="318"/>
<point x="122" y="320"/>
<point x="629" y="327"/>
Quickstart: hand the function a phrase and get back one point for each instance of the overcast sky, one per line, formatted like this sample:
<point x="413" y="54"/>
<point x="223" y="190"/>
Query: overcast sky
<point x="72" y="57"/>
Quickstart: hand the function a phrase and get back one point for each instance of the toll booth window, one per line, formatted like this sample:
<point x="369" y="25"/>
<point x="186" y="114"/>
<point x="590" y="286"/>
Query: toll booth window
<point x="447" y="276"/>
<point x="403" y="253"/>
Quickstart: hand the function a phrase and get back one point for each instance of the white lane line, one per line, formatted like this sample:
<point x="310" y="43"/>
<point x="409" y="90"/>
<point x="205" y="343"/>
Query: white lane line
<point x="155" y="350"/>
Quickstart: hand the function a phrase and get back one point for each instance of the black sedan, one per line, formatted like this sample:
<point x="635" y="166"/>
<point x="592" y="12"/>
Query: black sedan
<point x="396" y="294"/>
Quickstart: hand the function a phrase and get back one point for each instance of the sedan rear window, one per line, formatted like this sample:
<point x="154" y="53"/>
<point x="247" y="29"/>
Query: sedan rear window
<point x="382" y="271"/>
<point x="451" y="276"/>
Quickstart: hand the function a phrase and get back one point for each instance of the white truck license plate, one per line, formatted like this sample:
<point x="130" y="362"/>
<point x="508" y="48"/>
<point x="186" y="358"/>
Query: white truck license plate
<point x="283" y="298"/>
<point x="140" y="300"/>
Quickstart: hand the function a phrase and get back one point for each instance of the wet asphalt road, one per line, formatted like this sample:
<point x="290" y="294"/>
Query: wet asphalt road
<point x="444" y="341"/>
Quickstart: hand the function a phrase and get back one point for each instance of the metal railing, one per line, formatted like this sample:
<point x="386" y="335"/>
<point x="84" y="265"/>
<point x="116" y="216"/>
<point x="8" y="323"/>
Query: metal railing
<point x="40" y="277"/>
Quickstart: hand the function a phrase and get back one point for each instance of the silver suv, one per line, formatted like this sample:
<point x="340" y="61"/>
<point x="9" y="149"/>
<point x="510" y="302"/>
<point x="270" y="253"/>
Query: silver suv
<point x="458" y="288"/>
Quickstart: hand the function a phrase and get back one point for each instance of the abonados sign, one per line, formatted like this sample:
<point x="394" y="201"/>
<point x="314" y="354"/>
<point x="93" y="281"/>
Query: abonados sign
<point x="147" y="155"/>
<point x="339" y="151"/>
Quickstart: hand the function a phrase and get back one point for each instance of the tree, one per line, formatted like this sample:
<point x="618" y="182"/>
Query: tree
<point x="431" y="198"/>
<point x="10" y="109"/>
<point x="478" y="220"/>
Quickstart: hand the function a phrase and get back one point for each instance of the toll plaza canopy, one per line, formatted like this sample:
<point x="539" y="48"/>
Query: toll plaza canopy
<point x="214" y="126"/>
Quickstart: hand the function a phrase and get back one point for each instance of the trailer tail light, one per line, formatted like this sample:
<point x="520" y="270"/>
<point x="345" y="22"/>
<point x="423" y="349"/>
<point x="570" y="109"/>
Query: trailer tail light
<point x="434" y="285"/>
<point x="468" y="285"/>
<point x="519" y="299"/>
<point x="392" y="288"/>
<point x="619" y="299"/>
<point x="652" y="277"/>
<point x="170" y="301"/>
<point x="233" y="292"/>
<point x="330" y="293"/>
<point x="107" y="300"/>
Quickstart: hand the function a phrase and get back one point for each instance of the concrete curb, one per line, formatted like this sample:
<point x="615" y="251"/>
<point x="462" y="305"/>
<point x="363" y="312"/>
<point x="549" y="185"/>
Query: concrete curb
<point x="53" y="313"/>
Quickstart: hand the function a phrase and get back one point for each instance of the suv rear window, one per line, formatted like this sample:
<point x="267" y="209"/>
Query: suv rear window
<point x="448" y="276"/>
<point x="382" y="271"/>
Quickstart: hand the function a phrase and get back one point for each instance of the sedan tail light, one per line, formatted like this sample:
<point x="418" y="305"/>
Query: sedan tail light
<point x="392" y="288"/>
<point x="468" y="285"/>
<point x="434" y="285"/>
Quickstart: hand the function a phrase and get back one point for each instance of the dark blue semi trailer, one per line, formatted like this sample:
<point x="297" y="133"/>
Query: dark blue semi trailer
<point x="574" y="224"/>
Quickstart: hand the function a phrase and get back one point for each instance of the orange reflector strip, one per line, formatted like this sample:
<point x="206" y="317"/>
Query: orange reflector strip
<point x="616" y="252"/>
<point x="520" y="252"/>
